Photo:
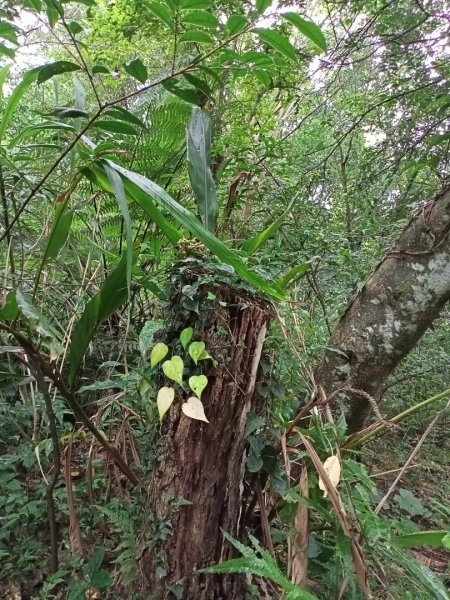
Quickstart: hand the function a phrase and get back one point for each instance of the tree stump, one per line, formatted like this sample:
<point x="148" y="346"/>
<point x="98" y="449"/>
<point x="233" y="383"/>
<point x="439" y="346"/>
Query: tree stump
<point x="204" y="463"/>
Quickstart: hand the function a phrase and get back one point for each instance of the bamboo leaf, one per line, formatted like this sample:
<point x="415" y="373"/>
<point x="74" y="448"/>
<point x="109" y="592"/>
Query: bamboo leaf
<point x="58" y="233"/>
<point x="194" y="226"/>
<point x="252" y="245"/>
<point x="117" y="187"/>
<point x="199" y="159"/>
<point x="28" y="79"/>
<point x="106" y="301"/>
<point x="432" y="539"/>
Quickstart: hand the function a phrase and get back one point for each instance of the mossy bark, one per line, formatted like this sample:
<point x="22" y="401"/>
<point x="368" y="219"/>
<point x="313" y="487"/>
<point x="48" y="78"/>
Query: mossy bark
<point x="384" y="321"/>
<point x="203" y="463"/>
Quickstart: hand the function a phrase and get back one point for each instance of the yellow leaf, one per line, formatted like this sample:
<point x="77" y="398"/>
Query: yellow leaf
<point x="166" y="396"/>
<point x="193" y="408"/>
<point x="333" y="468"/>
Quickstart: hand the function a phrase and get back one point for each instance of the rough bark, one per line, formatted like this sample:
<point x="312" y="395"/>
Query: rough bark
<point x="204" y="462"/>
<point x="384" y="321"/>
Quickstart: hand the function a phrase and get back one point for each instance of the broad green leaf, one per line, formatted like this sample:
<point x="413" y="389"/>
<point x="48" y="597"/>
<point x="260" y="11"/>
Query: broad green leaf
<point x="194" y="226"/>
<point x="114" y="292"/>
<point x="35" y="129"/>
<point x="74" y="27"/>
<point x="193" y="408"/>
<point x="58" y="233"/>
<point x="6" y="51"/>
<point x="66" y="112"/>
<point x="446" y="541"/>
<point x="52" y="11"/>
<point x="122" y="114"/>
<point x="82" y="335"/>
<point x="164" y="400"/>
<point x="263" y="77"/>
<point x="196" y="350"/>
<point x="263" y="5"/>
<point x="158" y="353"/>
<point x="307" y="28"/>
<point x="8" y="32"/>
<point x="278" y="42"/>
<point x="252" y="245"/>
<point x="28" y="79"/>
<point x="115" y="127"/>
<point x="117" y="187"/>
<point x="292" y="274"/>
<point x="199" y="159"/>
<point x="100" y="307"/>
<point x="100" y="69"/>
<point x="200" y="18"/>
<point x="198" y="83"/>
<point x="190" y="95"/>
<point x="198" y="383"/>
<point x="161" y="12"/>
<point x="173" y="369"/>
<point x="185" y="336"/>
<point x="135" y="193"/>
<point x="194" y="4"/>
<point x="57" y="68"/>
<point x="4" y="71"/>
<point x="198" y="37"/>
<point x="10" y="310"/>
<point x="236" y="24"/>
<point x="137" y="69"/>
<point x="432" y="539"/>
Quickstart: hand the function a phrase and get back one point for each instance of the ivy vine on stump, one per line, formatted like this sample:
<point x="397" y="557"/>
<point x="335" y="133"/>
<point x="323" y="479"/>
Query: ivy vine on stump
<point x="198" y="477"/>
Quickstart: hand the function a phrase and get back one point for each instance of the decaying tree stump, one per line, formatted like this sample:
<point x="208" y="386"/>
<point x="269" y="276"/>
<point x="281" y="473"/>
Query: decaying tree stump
<point x="203" y="463"/>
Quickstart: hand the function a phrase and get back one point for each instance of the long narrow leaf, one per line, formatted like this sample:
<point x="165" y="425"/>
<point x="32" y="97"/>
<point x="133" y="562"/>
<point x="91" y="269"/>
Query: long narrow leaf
<point x="100" y="307"/>
<point x="199" y="158"/>
<point x="194" y="226"/>
<point x="252" y="245"/>
<point x="27" y="80"/>
<point x="117" y="187"/>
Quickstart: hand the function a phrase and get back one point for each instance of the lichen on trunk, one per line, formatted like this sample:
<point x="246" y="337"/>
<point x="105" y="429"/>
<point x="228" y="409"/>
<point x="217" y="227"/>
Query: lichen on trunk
<point x="388" y="316"/>
<point x="198" y="478"/>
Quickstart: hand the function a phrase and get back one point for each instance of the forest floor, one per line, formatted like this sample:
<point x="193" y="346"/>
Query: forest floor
<point x="423" y="493"/>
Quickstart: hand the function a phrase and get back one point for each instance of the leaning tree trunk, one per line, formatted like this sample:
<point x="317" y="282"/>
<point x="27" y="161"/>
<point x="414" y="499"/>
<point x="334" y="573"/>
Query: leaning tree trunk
<point x="197" y="483"/>
<point x="384" y="321"/>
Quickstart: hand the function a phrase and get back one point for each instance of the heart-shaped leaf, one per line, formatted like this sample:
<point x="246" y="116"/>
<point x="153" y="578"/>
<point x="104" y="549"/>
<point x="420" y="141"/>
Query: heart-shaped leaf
<point x="193" y="408"/>
<point x="196" y="350"/>
<point x="197" y="383"/>
<point x="173" y="369"/>
<point x="185" y="336"/>
<point x="159" y="351"/>
<point x="166" y="396"/>
<point x="333" y="468"/>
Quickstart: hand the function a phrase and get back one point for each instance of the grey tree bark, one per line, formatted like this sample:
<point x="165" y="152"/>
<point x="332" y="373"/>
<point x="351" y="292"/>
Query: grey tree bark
<point x="387" y="317"/>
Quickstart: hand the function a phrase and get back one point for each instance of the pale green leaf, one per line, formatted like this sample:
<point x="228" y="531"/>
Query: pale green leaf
<point x="193" y="408"/>
<point x="185" y="336"/>
<point x="198" y="383"/>
<point x="164" y="400"/>
<point x="196" y="350"/>
<point x="158" y="353"/>
<point x="173" y="369"/>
